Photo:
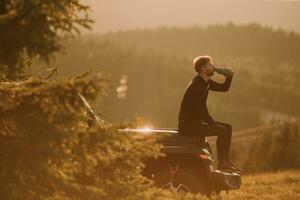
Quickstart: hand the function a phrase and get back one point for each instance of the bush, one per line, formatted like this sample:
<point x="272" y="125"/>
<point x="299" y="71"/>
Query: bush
<point x="276" y="150"/>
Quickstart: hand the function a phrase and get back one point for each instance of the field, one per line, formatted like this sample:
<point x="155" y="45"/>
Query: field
<point x="268" y="186"/>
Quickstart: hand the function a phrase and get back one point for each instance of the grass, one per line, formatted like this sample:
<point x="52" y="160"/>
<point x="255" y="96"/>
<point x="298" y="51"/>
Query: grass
<point x="268" y="186"/>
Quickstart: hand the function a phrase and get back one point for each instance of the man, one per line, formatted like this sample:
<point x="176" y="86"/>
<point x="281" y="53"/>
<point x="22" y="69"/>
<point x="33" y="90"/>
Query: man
<point x="194" y="119"/>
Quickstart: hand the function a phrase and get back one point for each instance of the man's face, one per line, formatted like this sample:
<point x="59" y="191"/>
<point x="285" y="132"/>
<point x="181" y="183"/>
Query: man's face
<point x="209" y="68"/>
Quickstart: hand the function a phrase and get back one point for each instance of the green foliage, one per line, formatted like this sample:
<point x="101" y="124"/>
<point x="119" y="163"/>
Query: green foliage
<point x="34" y="28"/>
<point x="276" y="150"/>
<point x="48" y="150"/>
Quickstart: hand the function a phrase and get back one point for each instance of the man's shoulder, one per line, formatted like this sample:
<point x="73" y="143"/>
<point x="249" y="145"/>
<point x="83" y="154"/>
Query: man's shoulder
<point x="194" y="87"/>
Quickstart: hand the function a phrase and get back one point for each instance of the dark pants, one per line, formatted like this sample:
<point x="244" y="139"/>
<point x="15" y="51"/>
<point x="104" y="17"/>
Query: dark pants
<point x="222" y="130"/>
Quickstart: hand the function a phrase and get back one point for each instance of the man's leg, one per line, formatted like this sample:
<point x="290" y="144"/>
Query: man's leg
<point x="222" y="139"/>
<point x="227" y="138"/>
<point x="203" y="130"/>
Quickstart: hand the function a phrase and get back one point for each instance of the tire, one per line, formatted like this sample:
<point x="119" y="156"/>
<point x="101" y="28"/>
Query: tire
<point x="184" y="180"/>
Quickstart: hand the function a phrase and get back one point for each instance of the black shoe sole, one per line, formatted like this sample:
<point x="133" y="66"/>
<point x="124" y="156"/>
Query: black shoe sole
<point x="227" y="170"/>
<point x="231" y="170"/>
<point x="239" y="169"/>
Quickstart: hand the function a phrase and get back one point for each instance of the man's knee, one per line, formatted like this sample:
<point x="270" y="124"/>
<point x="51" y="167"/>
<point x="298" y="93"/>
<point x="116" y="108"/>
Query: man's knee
<point x="225" y="130"/>
<point x="228" y="130"/>
<point x="228" y="126"/>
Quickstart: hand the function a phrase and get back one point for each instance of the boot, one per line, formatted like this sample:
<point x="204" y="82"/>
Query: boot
<point x="225" y="166"/>
<point x="234" y="166"/>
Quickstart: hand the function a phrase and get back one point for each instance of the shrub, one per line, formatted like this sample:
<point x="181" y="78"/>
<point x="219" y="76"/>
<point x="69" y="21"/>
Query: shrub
<point x="276" y="150"/>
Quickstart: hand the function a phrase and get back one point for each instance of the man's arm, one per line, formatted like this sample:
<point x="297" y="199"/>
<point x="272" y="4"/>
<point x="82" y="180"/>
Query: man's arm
<point x="224" y="87"/>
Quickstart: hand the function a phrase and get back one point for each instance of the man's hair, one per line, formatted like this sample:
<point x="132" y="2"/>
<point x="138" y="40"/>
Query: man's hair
<point x="200" y="61"/>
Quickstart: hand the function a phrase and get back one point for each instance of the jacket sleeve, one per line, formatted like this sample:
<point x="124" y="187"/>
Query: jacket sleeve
<point x="221" y="87"/>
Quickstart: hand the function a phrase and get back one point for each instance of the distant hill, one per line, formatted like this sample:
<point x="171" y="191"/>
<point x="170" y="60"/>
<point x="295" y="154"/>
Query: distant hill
<point x="221" y="41"/>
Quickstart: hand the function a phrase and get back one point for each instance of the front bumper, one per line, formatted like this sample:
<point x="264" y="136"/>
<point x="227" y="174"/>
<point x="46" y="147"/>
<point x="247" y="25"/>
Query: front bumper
<point x="226" y="180"/>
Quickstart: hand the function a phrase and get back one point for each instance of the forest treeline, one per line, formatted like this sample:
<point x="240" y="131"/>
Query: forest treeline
<point x="155" y="66"/>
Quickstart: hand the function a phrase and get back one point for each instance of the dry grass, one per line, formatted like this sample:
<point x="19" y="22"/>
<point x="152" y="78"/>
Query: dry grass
<point x="268" y="186"/>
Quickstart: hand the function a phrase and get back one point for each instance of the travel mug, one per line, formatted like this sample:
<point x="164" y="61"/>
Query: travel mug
<point x="224" y="71"/>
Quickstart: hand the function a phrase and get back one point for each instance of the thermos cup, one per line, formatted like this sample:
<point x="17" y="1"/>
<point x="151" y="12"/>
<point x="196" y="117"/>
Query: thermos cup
<point x="224" y="71"/>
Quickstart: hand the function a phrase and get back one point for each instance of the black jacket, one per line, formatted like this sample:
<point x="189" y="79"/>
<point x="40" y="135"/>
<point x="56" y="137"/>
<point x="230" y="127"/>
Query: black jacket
<point x="193" y="106"/>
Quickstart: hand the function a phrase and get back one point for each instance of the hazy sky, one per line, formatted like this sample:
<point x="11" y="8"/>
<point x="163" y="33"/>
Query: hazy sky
<point x="112" y="15"/>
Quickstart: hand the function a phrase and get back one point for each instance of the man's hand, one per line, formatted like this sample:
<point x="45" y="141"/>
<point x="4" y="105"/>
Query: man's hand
<point x="224" y="71"/>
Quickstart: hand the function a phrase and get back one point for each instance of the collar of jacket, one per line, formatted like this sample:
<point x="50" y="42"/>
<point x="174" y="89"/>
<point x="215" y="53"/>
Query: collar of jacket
<point x="204" y="82"/>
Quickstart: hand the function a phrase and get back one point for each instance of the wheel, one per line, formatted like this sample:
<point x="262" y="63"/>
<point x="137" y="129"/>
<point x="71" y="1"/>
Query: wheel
<point x="193" y="181"/>
<point x="181" y="181"/>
